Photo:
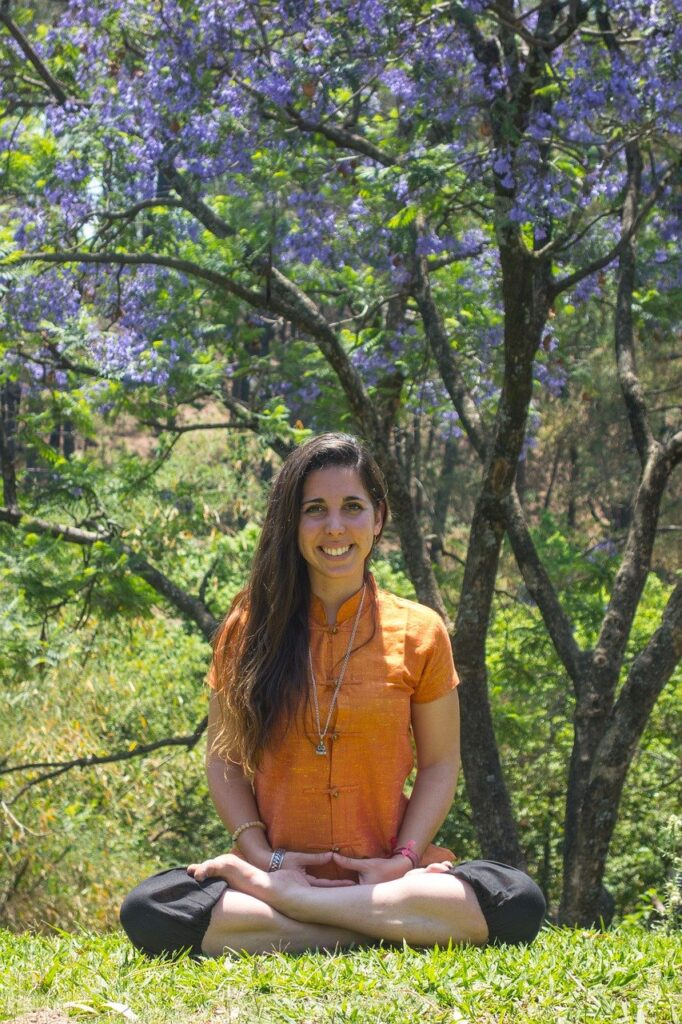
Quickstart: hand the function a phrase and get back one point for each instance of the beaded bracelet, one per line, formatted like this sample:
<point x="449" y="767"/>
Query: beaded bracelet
<point x="247" y="824"/>
<point x="409" y="852"/>
<point x="277" y="858"/>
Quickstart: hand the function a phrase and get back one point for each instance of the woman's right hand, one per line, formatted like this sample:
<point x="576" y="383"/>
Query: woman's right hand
<point x="294" y="863"/>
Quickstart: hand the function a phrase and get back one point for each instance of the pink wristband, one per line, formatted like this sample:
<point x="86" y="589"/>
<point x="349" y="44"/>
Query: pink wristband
<point x="409" y="852"/>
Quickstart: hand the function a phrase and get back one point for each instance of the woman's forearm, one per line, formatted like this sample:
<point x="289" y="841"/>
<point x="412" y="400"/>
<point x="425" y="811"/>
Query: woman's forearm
<point x="431" y="799"/>
<point x="235" y="803"/>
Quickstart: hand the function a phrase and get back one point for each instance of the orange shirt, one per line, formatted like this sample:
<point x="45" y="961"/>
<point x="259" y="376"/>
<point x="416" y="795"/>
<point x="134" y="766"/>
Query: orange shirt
<point x="352" y="800"/>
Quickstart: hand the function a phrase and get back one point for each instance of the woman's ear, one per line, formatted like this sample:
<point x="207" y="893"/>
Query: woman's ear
<point x="379" y="515"/>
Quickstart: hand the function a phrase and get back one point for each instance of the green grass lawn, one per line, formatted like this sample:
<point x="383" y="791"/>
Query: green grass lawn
<point x="565" y="977"/>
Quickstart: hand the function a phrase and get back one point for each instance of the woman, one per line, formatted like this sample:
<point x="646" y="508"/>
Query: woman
<point x="320" y="682"/>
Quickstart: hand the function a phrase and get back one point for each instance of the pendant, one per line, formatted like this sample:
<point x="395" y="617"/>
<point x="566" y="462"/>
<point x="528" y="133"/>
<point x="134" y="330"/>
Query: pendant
<point x="321" y="749"/>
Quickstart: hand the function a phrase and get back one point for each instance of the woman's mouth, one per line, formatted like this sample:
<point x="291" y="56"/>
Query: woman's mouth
<point x="336" y="552"/>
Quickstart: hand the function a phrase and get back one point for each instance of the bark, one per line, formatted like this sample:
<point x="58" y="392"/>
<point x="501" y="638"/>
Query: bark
<point x="446" y="485"/>
<point x="633" y="394"/>
<point x="10" y="396"/>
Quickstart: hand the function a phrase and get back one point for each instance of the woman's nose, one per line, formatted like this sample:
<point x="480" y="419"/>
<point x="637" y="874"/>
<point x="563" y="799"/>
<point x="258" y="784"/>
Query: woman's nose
<point x="335" y="523"/>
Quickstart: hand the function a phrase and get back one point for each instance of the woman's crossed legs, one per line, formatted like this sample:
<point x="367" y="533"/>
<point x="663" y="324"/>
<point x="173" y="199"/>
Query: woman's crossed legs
<point x="227" y="904"/>
<point x="286" y="909"/>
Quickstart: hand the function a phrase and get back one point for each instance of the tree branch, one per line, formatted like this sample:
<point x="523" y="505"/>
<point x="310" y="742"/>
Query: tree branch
<point x="145" y="204"/>
<point x="673" y="448"/>
<point x="343" y="138"/>
<point x="649" y="673"/>
<point x="60" y="767"/>
<point x="192" y="201"/>
<point x="191" y="607"/>
<point x="61" y="257"/>
<point x="570" y="280"/>
<point x="608" y="761"/>
<point x="289" y="301"/>
<point x="542" y="591"/>
<point x="185" y="428"/>
<point x="248" y="421"/>
<point x="72" y="534"/>
<point x="631" y="388"/>
<point x="10" y="396"/>
<point x="339" y="136"/>
<point x="445" y="358"/>
<point x="627" y="587"/>
<point x="22" y="42"/>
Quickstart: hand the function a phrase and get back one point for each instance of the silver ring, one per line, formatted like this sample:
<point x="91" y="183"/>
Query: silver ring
<point x="277" y="859"/>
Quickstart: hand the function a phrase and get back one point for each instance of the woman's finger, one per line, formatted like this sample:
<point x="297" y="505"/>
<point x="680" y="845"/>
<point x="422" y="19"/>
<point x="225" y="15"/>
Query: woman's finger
<point x="353" y="863"/>
<point x="313" y="858"/>
<point x="330" y="883"/>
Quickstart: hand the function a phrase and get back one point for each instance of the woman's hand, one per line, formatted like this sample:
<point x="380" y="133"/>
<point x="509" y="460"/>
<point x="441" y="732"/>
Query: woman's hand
<point x="372" y="870"/>
<point x="294" y="863"/>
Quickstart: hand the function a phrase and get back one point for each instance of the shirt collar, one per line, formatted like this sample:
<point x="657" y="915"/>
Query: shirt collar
<point x="347" y="609"/>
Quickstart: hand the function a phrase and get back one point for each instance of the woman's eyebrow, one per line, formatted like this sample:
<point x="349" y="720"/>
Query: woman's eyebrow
<point x="348" y="497"/>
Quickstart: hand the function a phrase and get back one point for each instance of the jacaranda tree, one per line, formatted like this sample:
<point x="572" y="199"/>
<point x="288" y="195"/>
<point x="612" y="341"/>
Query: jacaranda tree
<point x="389" y="191"/>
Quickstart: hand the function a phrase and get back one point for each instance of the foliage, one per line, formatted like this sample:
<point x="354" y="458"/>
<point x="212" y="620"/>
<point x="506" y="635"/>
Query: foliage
<point x="236" y="207"/>
<point x="88" y="682"/>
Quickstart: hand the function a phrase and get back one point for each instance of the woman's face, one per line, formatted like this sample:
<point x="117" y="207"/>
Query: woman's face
<point x="336" y="528"/>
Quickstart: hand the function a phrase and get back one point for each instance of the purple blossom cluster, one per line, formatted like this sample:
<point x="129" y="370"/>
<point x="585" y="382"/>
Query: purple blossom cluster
<point x="230" y="93"/>
<point x="47" y="300"/>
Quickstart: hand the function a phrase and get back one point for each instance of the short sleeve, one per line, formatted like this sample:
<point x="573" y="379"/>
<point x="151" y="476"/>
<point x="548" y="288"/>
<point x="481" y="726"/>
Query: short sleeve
<point x="433" y="651"/>
<point x="224" y="646"/>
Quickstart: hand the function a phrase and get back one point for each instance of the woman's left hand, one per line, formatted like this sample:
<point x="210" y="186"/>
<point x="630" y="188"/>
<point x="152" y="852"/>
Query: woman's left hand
<point x="372" y="870"/>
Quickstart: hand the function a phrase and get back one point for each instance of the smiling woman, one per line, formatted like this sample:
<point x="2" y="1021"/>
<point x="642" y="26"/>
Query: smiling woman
<point x="320" y="685"/>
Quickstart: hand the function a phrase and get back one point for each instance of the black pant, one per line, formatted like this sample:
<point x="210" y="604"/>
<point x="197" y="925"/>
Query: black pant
<point x="170" y="911"/>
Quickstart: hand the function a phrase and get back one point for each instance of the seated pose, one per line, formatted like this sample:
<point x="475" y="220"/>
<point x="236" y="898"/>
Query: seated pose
<point x="320" y="684"/>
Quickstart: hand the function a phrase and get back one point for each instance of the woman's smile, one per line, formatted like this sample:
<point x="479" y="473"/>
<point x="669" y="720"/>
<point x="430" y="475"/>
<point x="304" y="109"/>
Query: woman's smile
<point x="337" y="552"/>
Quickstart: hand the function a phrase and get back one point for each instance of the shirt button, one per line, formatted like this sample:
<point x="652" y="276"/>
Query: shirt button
<point x="334" y="629"/>
<point x="335" y="792"/>
<point x="336" y="849"/>
<point x="335" y="735"/>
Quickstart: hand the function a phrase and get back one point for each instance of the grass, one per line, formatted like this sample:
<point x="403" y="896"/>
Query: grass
<point x="565" y="977"/>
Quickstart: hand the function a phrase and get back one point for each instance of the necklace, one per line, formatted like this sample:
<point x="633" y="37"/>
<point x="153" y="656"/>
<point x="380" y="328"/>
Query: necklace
<point x="321" y="747"/>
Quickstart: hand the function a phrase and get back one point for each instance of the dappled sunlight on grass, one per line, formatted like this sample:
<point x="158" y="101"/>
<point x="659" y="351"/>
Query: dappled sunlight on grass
<point x="565" y="976"/>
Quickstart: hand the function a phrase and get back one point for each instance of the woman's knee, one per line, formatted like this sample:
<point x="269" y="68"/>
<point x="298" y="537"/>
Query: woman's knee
<point x="169" y="912"/>
<point x="512" y="904"/>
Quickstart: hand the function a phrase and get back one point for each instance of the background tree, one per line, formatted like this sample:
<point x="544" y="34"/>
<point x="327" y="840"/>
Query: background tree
<point x="409" y="204"/>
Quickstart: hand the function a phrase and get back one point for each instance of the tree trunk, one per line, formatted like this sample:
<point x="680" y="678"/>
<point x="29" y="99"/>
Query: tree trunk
<point x="10" y="396"/>
<point x="607" y="732"/>
<point x="526" y="309"/>
<point x="446" y="484"/>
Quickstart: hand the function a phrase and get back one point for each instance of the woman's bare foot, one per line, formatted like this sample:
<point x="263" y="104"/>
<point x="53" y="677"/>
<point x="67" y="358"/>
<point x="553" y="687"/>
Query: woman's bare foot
<point x="285" y="890"/>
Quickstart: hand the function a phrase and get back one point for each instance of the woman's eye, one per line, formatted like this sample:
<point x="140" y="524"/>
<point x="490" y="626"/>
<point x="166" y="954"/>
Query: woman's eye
<point x="354" y="506"/>
<point x="314" y="509"/>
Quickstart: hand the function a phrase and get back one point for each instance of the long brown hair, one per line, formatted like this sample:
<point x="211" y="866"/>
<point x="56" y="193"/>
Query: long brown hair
<point x="260" y="650"/>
